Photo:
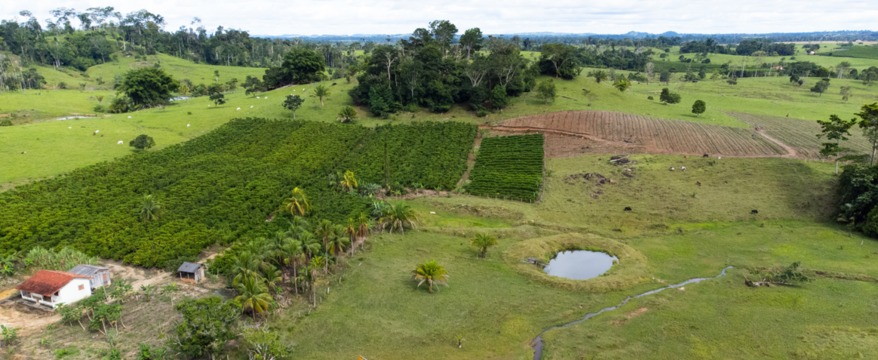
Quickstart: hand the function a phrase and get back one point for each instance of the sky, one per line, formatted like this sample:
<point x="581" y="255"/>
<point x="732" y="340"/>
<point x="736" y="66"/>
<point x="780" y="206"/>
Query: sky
<point x="347" y="17"/>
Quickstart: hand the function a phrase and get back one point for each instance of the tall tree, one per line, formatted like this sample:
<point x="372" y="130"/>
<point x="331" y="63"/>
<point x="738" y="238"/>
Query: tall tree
<point x="821" y="86"/>
<point x="698" y="107"/>
<point x="869" y="123"/>
<point x="471" y="40"/>
<point x="836" y="130"/>
<point x="300" y="66"/>
<point x="215" y="93"/>
<point x="559" y="60"/>
<point x="148" y="87"/>
<point x="293" y="103"/>
<point x="443" y="33"/>
<point x="668" y="97"/>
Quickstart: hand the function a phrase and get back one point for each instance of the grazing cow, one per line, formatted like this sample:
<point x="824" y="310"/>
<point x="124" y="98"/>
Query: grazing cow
<point x="627" y="209"/>
<point x="754" y="212"/>
<point x="706" y="155"/>
<point x="682" y="168"/>
<point x="698" y="183"/>
<point x="672" y="168"/>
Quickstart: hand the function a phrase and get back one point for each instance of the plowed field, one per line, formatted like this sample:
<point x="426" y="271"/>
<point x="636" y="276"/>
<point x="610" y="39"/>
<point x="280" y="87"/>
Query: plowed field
<point x="801" y="135"/>
<point x="573" y="132"/>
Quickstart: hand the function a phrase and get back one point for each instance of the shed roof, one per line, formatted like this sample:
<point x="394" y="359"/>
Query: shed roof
<point x="48" y="282"/>
<point x="189" y="267"/>
<point x="88" y="270"/>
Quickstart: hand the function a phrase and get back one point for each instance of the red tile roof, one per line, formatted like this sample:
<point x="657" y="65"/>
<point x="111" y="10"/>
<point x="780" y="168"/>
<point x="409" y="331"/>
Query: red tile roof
<point x="48" y="282"/>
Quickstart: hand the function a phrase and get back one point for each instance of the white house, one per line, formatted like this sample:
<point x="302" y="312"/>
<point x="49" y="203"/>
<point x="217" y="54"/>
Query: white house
<point x="51" y="288"/>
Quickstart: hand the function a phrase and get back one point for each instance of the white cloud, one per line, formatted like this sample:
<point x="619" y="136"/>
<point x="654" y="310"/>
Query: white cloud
<point x="274" y="17"/>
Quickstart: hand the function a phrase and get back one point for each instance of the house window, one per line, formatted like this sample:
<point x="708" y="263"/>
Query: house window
<point x="81" y="287"/>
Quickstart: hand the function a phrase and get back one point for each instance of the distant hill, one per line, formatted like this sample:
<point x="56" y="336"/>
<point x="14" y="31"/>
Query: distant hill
<point x="844" y="35"/>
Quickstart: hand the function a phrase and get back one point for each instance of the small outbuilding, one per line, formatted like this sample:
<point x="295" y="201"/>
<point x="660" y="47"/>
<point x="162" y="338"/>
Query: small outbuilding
<point x="98" y="275"/>
<point x="193" y="272"/>
<point x="52" y="288"/>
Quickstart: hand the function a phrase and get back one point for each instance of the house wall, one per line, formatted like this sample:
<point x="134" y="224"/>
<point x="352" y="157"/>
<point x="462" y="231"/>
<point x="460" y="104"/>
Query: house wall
<point x="100" y="279"/>
<point x="72" y="293"/>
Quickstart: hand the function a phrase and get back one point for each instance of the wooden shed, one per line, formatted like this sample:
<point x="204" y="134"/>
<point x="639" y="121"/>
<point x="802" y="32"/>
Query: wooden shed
<point x="193" y="272"/>
<point x="98" y="275"/>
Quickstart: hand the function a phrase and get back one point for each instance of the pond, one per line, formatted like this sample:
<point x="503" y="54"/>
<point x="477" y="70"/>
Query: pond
<point x="580" y="264"/>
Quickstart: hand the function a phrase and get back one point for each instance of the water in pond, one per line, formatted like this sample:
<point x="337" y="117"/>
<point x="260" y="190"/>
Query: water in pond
<point x="580" y="264"/>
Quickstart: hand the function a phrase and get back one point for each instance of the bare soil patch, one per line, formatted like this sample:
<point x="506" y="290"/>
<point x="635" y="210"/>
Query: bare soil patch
<point x="575" y="132"/>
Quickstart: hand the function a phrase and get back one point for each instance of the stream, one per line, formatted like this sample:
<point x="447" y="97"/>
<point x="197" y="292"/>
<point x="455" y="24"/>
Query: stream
<point x="537" y="343"/>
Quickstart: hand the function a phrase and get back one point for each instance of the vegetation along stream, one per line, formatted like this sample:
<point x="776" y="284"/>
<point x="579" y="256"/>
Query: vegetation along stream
<point x="537" y="342"/>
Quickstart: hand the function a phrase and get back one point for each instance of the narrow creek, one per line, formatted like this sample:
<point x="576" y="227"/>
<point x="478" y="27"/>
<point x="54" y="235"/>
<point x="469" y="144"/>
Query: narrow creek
<point x="537" y="342"/>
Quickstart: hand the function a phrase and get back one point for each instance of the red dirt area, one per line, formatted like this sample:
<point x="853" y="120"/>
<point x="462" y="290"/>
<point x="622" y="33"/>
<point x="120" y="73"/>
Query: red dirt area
<point x="575" y="132"/>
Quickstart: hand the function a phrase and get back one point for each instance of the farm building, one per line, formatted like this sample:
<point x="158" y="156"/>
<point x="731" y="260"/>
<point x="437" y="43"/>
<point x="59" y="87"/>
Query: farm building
<point x="51" y="288"/>
<point x="98" y="275"/>
<point x="193" y="272"/>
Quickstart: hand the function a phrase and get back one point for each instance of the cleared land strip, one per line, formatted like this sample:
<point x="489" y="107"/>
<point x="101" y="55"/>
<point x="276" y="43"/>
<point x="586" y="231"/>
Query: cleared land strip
<point x="574" y="132"/>
<point x="800" y="135"/>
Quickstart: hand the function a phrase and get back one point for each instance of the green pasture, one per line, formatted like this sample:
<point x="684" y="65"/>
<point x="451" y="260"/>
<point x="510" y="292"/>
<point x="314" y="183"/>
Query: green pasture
<point x="682" y="224"/>
<point x="373" y="308"/>
<point x="761" y="96"/>
<point x="176" y="67"/>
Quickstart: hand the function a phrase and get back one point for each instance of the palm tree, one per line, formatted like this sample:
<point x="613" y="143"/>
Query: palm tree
<point x="321" y="92"/>
<point x="253" y="295"/>
<point x="149" y="208"/>
<point x="325" y="231"/>
<point x="430" y="273"/>
<point x="398" y="216"/>
<point x="298" y="225"/>
<point x="273" y="278"/>
<point x="350" y="229"/>
<point x="310" y="245"/>
<point x="349" y="181"/>
<point x="313" y="267"/>
<point x="298" y="203"/>
<point x="245" y="264"/>
<point x="338" y="241"/>
<point x="483" y="242"/>
<point x="293" y="255"/>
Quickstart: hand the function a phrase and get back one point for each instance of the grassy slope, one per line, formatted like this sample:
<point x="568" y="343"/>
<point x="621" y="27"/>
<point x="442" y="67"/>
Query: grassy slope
<point x="374" y="310"/>
<point x="763" y="96"/>
<point x="684" y="231"/>
<point x="178" y="68"/>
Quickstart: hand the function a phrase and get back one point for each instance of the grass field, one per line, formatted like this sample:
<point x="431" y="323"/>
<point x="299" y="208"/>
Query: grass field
<point x="695" y="239"/>
<point x="682" y="224"/>
<point x="772" y="96"/>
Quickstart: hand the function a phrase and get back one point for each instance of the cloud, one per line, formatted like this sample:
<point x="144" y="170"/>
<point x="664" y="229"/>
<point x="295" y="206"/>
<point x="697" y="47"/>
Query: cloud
<point x="275" y="17"/>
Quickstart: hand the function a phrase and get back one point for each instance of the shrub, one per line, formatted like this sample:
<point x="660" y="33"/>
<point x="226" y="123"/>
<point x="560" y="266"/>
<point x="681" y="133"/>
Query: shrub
<point x="142" y="142"/>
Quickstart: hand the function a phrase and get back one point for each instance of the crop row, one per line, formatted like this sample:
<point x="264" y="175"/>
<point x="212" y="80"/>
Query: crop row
<point x="509" y="167"/>
<point x="223" y="186"/>
<point x="654" y="134"/>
